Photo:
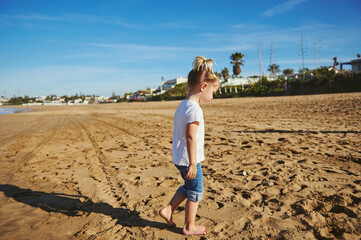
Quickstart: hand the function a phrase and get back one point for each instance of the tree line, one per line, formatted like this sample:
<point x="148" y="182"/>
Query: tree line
<point x="321" y="80"/>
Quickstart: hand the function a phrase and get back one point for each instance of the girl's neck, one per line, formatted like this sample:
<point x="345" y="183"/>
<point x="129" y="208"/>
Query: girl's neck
<point x="193" y="97"/>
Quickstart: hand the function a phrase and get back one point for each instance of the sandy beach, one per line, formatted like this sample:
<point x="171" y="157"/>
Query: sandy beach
<point x="275" y="168"/>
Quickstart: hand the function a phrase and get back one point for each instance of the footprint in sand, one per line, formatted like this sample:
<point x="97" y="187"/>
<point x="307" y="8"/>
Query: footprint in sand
<point x="345" y="210"/>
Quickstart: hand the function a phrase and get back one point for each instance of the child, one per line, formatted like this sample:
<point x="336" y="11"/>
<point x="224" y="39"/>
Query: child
<point x="188" y="144"/>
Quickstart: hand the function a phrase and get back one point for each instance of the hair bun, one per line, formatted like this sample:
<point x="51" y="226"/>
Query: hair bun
<point x="202" y="63"/>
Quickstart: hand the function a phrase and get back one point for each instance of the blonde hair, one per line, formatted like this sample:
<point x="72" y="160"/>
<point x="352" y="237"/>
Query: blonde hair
<point x="202" y="71"/>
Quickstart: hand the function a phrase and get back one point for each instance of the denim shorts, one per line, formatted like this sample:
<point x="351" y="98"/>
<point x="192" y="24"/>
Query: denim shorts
<point x="193" y="189"/>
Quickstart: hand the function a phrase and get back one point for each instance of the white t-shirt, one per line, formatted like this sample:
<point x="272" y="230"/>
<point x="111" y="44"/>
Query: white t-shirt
<point x="188" y="111"/>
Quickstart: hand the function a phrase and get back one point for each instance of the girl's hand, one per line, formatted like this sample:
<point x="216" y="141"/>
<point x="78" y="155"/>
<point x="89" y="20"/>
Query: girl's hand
<point x="192" y="172"/>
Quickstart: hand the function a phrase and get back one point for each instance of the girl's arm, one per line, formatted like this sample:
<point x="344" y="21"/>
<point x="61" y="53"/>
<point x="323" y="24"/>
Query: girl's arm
<point x="191" y="137"/>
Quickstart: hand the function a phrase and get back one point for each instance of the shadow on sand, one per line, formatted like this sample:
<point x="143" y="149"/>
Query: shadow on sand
<point x="295" y="131"/>
<point x="76" y="205"/>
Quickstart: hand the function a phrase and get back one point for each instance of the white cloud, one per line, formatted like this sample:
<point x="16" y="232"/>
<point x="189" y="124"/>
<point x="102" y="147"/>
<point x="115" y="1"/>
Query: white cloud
<point x="74" y="18"/>
<point x="155" y="49"/>
<point x="176" y="25"/>
<point x="70" y="18"/>
<point x="284" y="38"/>
<point x="282" y="8"/>
<point x="138" y="47"/>
<point x="31" y="16"/>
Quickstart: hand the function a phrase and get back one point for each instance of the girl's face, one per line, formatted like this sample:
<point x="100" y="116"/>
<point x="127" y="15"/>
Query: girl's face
<point x="208" y="89"/>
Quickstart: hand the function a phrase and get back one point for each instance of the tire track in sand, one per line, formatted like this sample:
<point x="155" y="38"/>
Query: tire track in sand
<point x="33" y="127"/>
<point x="22" y="160"/>
<point x="146" y="141"/>
<point x="101" y="175"/>
<point x="203" y="220"/>
<point x="119" y="128"/>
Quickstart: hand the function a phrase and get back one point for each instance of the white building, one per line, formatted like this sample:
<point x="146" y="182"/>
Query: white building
<point x="355" y="65"/>
<point x="100" y="99"/>
<point x="172" y="83"/>
<point x="42" y="98"/>
<point x="3" y="100"/>
<point x="239" y="81"/>
<point x="78" y="101"/>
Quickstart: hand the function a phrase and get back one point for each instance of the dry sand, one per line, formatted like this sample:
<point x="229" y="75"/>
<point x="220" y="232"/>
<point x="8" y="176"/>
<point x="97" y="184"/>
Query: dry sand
<point x="276" y="168"/>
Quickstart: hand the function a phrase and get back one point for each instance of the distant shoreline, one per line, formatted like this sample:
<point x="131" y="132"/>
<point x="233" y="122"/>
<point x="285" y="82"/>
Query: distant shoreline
<point x="11" y="110"/>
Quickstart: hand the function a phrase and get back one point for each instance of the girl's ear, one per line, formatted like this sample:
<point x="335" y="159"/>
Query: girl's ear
<point x="203" y="86"/>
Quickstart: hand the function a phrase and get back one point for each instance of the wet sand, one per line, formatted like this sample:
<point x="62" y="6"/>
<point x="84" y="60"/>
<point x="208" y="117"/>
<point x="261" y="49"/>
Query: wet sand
<point x="276" y="168"/>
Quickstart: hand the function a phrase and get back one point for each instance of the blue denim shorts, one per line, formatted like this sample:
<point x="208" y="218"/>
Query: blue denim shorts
<point x="193" y="189"/>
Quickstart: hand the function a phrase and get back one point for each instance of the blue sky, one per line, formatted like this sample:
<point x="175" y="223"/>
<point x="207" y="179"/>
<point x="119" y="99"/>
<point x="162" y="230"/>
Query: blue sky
<point x="97" y="47"/>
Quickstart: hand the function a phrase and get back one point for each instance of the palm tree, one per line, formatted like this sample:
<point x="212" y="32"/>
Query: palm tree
<point x="237" y="62"/>
<point x="288" y="71"/>
<point x="274" y="69"/>
<point x="219" y="75"/>
<point x="303" y="70"/>
<point x="225" y="74"/>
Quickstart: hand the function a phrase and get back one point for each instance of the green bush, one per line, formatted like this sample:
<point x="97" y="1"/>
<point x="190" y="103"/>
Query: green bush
<point x="322" y="81"/>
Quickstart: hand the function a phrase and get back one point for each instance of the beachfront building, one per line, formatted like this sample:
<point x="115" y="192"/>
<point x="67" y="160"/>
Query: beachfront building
<point x="240" y="81"/>
<point x="78" y="101"/>
<point x="235" y="84"/>
<point x="100" y="99"/>
<point x="3" y="100"/>
<point x="42" y="98"/>
<point x="355" y="65"/>
<point x="141" y="95"/>
<point x="173" y="82"/>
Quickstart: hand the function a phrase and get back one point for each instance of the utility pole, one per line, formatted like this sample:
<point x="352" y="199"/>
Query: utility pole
<point x="261" y="70"/>
<point x="317" y="45"/>
<point x="272" y="60"/>
<point x="303" y="57"/>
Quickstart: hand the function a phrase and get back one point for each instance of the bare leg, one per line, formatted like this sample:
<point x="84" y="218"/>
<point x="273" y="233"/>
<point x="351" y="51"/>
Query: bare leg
<point x="167" y="211"/>
<point x="190" y="228"/>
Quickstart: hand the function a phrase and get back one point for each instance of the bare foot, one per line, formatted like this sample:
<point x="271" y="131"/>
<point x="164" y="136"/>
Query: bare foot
<point x="166" y="213"/>
<point x="195" y="230"/>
